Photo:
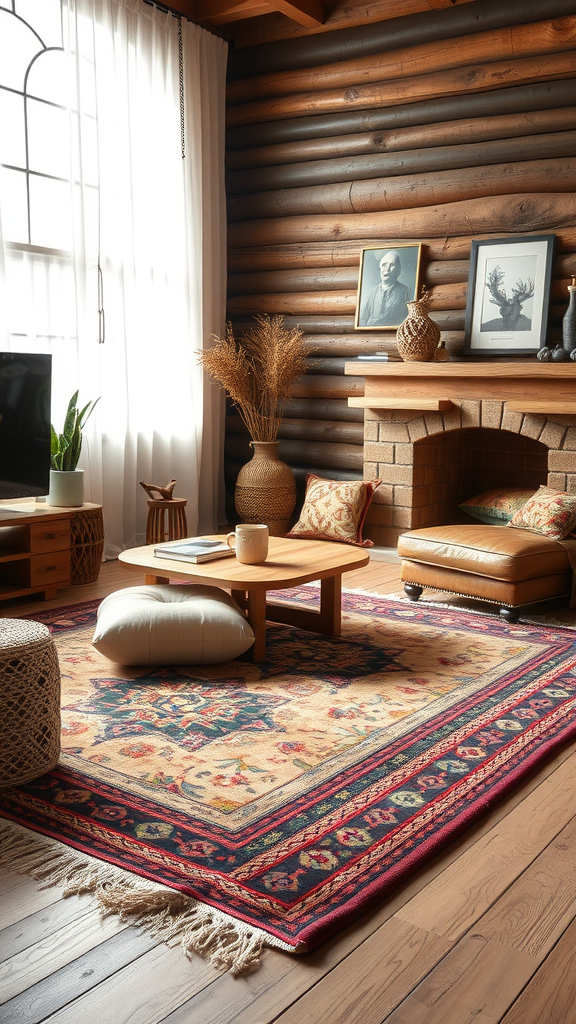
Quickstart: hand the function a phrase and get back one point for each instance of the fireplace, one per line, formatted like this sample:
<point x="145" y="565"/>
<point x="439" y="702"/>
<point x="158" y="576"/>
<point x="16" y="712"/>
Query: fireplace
<point x="437" y="433"/>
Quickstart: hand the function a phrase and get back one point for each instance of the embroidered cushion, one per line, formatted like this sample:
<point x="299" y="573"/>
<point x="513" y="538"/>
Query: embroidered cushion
<point x="549" y="512"/>
<point x="335" y="510"/>
<point x="171" y="624"/>
<point x="498" y="505"/>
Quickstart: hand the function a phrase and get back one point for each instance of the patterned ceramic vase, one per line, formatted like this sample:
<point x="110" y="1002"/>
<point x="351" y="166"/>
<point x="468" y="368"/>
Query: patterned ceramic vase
<point x="266" y="489"/>
<point x="418" y="336"/>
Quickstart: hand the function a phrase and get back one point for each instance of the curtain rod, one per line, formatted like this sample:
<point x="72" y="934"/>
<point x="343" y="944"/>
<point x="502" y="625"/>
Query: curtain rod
<point x="179" y="14"/>
<point x="165" y="8"/>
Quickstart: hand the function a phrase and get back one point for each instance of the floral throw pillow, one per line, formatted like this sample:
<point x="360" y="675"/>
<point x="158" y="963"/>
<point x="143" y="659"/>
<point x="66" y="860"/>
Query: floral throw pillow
<point x="550" y="512"/>
<point x="335" y="510"/>
<point x="496" y="506"/>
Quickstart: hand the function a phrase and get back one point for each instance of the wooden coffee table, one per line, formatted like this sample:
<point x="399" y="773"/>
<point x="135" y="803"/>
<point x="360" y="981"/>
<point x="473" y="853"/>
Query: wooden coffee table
<point x="290" y="562"/>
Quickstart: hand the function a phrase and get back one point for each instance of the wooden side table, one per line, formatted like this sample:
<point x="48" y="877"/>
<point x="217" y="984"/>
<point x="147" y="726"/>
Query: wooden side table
<point x="166" y="520"/>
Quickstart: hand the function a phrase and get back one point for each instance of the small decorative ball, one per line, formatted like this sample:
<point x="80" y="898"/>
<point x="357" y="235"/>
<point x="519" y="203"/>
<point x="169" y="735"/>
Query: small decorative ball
<point x="544" y="354"/>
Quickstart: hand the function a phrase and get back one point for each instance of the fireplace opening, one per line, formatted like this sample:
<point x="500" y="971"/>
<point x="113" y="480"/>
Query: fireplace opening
<point x="454" y="465"/>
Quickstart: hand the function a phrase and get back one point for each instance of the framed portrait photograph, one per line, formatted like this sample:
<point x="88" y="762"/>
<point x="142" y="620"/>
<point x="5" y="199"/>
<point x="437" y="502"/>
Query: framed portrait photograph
<point x="508" y="296"/>
<point x="389" y="278"/>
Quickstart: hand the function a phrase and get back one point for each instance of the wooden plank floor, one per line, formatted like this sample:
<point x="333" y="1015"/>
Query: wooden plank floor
<point x="483" y="933"/>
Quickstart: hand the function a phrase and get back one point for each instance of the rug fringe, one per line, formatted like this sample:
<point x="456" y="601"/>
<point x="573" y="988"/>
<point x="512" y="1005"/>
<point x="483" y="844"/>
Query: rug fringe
<point x="171" y="916"/>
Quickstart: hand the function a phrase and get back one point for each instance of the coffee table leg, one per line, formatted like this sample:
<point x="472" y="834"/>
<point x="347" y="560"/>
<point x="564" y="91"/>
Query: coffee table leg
<point x="240" y="597"/>
<point x="327" y="619"/>
<point x="157" y="579"/>
<point x="331" y="606"/>
<point x="257" y="619"/>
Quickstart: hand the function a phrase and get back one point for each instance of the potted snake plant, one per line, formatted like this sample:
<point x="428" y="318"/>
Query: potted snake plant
<point x="66" y="480"/>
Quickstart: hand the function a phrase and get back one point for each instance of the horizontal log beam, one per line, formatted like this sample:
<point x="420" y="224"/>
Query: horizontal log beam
<point x="381" y="166"/>
<point x="425" y="136"/>
<point x="327" y="387"/>
<point x="293" y="303"/>
<point x="433" y="110"/>
<point x="410" y="191"/>
<point x="306" y="453"/>
<point x="346" y="253"/>
<point x="344" y="345"/>
<point x="309" y="324"/>
<point x="510" y="43"/>
<point x="447" y="320"/>
<point x="329" y="409"/>
<point x="325" y="364"/>
<point x="515" y="215"/>
<point x="448" y="296"/>
<point x="437" y="272"/>
<point x="314" y="430"/>
<point x="388" y="34"/>
<point x="454" y="82"/>
<point x="232" y="467"/>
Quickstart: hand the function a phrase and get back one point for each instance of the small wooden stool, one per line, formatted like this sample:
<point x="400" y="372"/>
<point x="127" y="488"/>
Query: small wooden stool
<point x="29" y="701"/>
<point x="166" y="520"/>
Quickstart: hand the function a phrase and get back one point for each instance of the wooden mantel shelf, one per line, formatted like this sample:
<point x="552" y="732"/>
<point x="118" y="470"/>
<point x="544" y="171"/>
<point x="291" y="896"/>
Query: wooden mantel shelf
<point x="425" y="404"/>
<point x="526" y="385"/>
<point x="560" y="408"/>
<point x="462" y="368"/>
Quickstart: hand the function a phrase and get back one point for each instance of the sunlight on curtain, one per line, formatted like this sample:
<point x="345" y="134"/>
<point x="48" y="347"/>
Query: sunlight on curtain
<point x="151" y="234"/>
<point x="155" y="224"/>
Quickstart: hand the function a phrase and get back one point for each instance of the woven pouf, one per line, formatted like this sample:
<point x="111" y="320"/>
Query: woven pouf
<point x="29" y="701"/>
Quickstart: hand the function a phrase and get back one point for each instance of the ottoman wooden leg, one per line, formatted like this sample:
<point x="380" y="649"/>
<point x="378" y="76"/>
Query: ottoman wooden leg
<point x="412" y="591"/>
<point x="509" y="614"/>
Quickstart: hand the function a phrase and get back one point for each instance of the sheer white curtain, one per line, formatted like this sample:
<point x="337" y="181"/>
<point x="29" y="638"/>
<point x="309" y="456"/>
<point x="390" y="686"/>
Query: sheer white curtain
<point x="154" y="223"/>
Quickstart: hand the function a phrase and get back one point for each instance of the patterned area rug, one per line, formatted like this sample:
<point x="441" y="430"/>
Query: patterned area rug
<point x="280" y="800"/>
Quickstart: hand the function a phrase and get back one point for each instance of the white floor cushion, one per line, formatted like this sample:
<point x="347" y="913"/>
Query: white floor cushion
<point x="171" y="625"/>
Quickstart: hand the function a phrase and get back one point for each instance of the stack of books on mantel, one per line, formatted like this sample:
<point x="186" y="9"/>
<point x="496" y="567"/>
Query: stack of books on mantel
<point x="193" y="549"/>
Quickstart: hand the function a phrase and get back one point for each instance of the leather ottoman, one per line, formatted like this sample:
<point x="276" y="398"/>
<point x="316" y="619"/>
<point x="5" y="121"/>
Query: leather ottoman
<point x="508" y="567"/>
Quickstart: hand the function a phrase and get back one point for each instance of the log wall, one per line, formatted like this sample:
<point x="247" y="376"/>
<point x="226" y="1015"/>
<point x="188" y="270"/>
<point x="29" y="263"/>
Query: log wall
<point x="455" y="125"/>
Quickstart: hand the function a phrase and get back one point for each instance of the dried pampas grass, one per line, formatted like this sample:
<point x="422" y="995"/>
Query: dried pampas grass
<point x="258" y="372"/>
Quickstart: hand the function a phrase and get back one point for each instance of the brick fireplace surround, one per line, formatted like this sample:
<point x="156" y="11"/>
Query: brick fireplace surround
<point x="438" y="433"/>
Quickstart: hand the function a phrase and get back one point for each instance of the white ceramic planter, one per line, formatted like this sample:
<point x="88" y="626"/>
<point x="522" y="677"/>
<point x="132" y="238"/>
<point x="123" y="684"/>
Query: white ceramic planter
<point x="66" y="487"/>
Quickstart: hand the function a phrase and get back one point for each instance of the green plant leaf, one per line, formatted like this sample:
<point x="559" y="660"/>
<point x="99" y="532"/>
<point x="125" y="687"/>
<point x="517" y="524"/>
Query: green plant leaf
<point x="65" y="448"/>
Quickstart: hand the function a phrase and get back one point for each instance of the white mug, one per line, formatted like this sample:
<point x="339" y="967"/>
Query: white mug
<point x="250" y="541"/>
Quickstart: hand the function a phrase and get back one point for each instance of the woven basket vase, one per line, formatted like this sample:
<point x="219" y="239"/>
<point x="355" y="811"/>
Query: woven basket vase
<point x="266" y="489"/>
<point x="417" y="336"/>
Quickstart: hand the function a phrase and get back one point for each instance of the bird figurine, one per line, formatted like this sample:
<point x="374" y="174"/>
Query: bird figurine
<point x="159" y="493"/>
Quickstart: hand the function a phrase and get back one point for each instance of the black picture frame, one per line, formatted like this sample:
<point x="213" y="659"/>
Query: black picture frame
<point x="404" y="282"/>
<point x="508" y="295"/>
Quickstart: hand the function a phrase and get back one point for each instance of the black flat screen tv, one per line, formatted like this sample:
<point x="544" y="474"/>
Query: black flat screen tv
<point x="25" y="394"/>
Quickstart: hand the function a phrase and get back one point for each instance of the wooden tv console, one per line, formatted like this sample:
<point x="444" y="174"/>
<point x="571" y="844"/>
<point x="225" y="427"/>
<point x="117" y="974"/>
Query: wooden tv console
<point x="43" y="547"/>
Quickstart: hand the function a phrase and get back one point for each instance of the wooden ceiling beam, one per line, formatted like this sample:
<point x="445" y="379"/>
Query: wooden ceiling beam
<point x="252" y="9"/>
<point x="208" y="10"/>
<point x="309" y="13"/>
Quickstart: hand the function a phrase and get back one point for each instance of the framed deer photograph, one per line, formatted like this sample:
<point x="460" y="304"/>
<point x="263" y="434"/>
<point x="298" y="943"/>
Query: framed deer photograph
<point x="508" y="296"/>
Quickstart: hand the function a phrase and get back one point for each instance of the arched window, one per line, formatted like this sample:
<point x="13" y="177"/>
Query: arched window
<point x="102" y="212"/>
<point x="34" y="140"/>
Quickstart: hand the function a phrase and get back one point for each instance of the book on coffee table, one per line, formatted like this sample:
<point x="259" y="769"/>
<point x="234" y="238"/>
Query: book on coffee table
<point x="194" y="549"/>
